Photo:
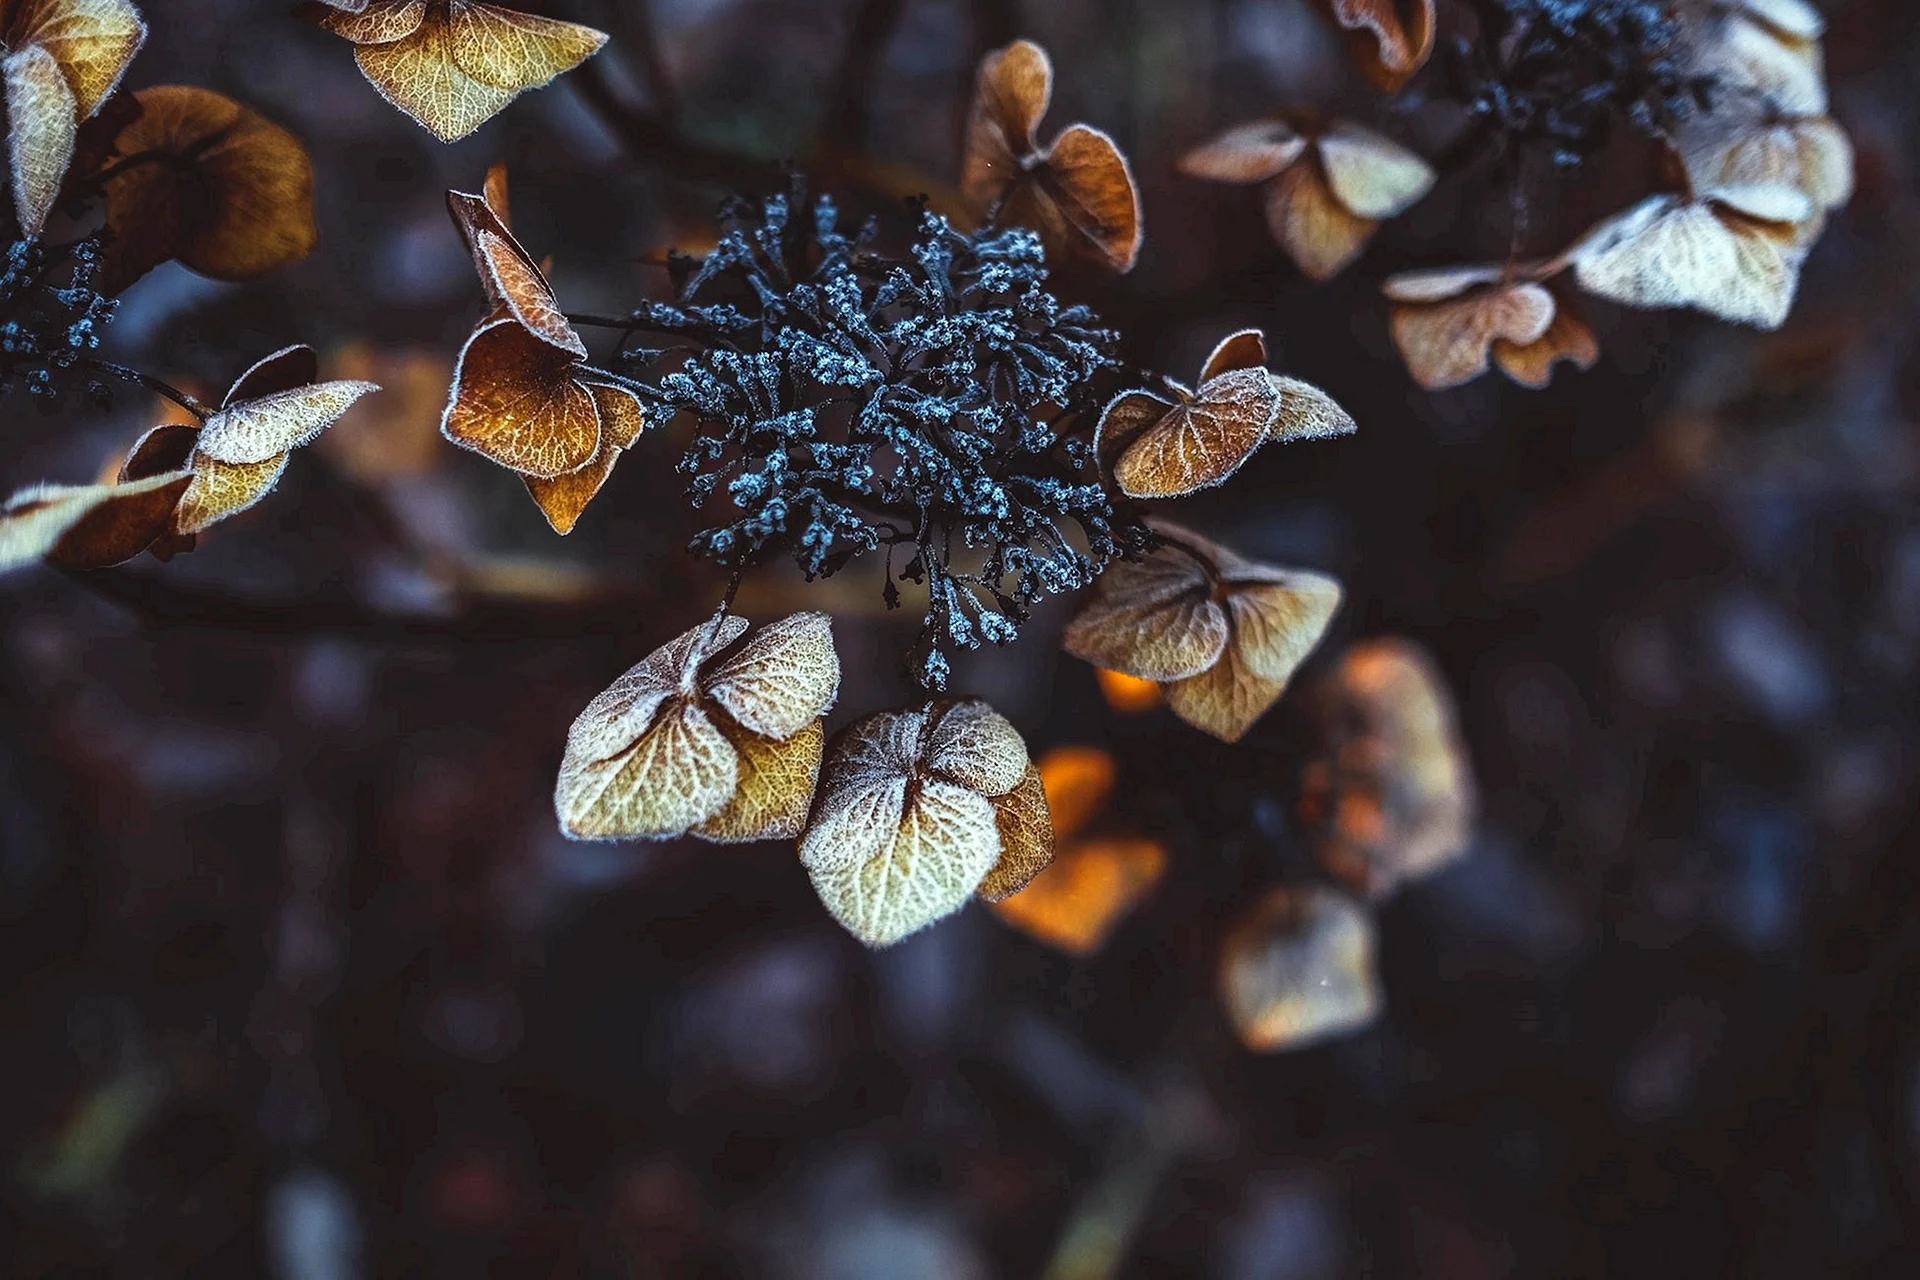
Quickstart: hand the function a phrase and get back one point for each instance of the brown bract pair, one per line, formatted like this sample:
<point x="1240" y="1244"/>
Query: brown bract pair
<point x="1328" y="186"/>
<point x="1160" y="447"/>
<point x="195" y="176"/>
<point x="918" y="812"/>
<point x="1076" y="191"/>
<point x="1388" y="796"/>
<point x="695" y="741"/>
<point x="453" y="64"/>
<point x="1223" y="635"/>
<point x="1094" y="878"/>
<point x="63" y="59"/>
<point x="523" y="393"/>
<point x="179" y="479"/>
<point x="1298" y="968"/>
<point x="1388" y="40"/>
<point x="1450" y="324"/>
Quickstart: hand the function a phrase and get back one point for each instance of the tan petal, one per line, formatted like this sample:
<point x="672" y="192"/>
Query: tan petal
<point x="1388" y="796"/>
<point x="946" y="842"/>
<point x="1154" y="618"/>
<point x="1371" y="175"/>
<point x="92" y="40"/>
<point x="1307" y="413"/>
<point x="227" y="191"/>
<point x="1666" y="252"/>
<point x="284" y="370"/>
<point x="1298" y="968"/>
<point x="783" y="679"/>
<point x="776" y="785"/>
<point x="1438" y="284"/>
<point x="223" y="489"/>
<point x="376" y="22"/>
<point x="876" y="747"/>
<point x="621" y="417"/>
<point x="625" y="709"/>
<point x="1318" y="232"/>
<point x="680" y="773"/>
<point x="1074" y="904"/>
<point x="1087" y="180"/>
<point x="1202" y="442"/>
<point x="1278" y="622"/>
<point x="1389" y="40"/>
<point x="969" y="743"/>
<point x="1448" y="343"/>
<point x="1813" y="157"/>
<point x="1011" y="90"/>
<point x="42" y="123"/>
<point x="1246" y="349"/>
<point x="515" y="400"/>
<point x="509" y="274"/>
<point x="1026" y="838"/>
<point x="87" y="526"/>
<point x="1752" y="55"/>
<point x="1121" y="422"/>
<point x="421" y="75"/>
<point x="256" y="430"/>
<point x="517" y="51"/>
<point x="1568" y="338"/>
<point x="1246" y="153"/>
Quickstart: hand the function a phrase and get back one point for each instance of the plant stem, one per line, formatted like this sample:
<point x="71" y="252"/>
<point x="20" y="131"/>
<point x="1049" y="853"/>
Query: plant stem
<point x="151" y="383"/>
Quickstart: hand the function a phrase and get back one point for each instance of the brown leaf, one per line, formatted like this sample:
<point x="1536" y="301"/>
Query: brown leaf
<point x="1388" y="796"/>
<point x="1567" y="339"/>
<point x="1203" y="440"/>
<point x="563" y="498"/>
<point x="87" y="526"/>
<point x="1668" y="251"/>
<point x="1448" y="340"/>
<point x="1026" y="838"/>
<point x="1298" y="968"/>
<point x="1078" y="192"/>
<point x="1246" y="153"/>
<point x="1246" y="349"/>
<point x="452" y="65"/>
<point x="1154" y="618"/>
<point x="91" y="40"/>
<point x="509" y="274"/>
<point x="1319" y="233"/>
<point x="1307" y="413"/>
<point x="1389" y="40"/>
<point x="517" y="400"/>
<point x="208" y="181"/>
<point x="159" y="450"/>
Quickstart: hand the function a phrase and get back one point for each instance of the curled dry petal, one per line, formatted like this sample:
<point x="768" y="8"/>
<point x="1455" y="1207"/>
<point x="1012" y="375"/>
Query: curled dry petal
<point x="562" y="499"/>
<point x="453" y="65"/>
<point x="87" y="526"/>
<point x="509" y="274"/>
<point x="42" y="124"/>
<point x="1298" y="968"/>
<point x="516" y="399"/>
<point x="1011" y="91"/>
<point x="255" y="430"/>
<point x="657" y="754"/>
<point x="1812" y="156"/>
<point x="1668" y="251"/>
<point x="1320" y="234"/>
<point x="1389" y="40"/>
<point x="1449" y="341"/>
<point x="1245" y="349"/>
<point x="1567" y="339"/>
<point x="1203" y="440"/>
<point x="1154" y="618"/>
<point x="1389" y="794"/>
<point x="1307" y="413"/>
<point x="1373" y="176"/>
<point x="217" y="185"/>
<point x="916" y="809"/>
<point x="1246" y="153"/>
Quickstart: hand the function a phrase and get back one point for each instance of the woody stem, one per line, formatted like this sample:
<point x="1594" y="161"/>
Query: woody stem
<point x="151" y="383"/>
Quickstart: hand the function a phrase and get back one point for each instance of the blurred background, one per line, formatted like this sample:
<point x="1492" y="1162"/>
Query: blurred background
<point x="301" y="980"/>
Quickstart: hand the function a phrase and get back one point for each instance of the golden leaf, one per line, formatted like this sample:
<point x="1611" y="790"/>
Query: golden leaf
<point x="91" y="40"/>
<point x="1246" y="154"/>
<point x="1026" y="838"/>
<point x="453" y="64"/>
<point x="906" y="828"/>
<point x="208" y="181"/>
<point x="63" y="58"/>
<point x="1812" y="156"/>
<point x="516" y="399"/>
<point x="1298" y="968"/>
<point x="777" y="779"/>
<point x="1077" y="192"/>
<point x="1223" y="634"/>
<point x="222" y="489"/>
<point x="563" y="498"/>
<point x="1307" y="413"/>
<point x="87" y="526"/>
<point x="1319" y="233"/>
<point x="1203" y="440"/>
<point x="42" y="123"/>
<point x="1389" y="40"/>
<point x="509" y="274"/>
<point x="1668" y="251"/>
<point x="1446" y="338"/>
<point x="1388" y="795"/>
<point x="656" y="754"/>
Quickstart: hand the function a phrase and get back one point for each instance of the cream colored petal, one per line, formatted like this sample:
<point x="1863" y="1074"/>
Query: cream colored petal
<point x="1298" y="968"/>
<point x="1813" y="157"/>
<point x="92" y="40"/>
<point x="946" y="842"/>
<point x="1668" y="253"/>
<point x="969" y="743"/>
<point x="883" y="745"/>
<point x="1437" y="284"/>
<point x="42" y="123"/>
<point x="420" y="75"/>
<point x="1751" y="55"/>
<point x="1318" y="232"/>
<point x="256" y="430"/>
<point x="783" y="679"/>
<point x="620" y="713"/>
<point x="1372" y="175"/>
<point x="1276" y="625"/>
<point x="1307" y="413"/>
<point x="1246" y="153"/>
<point x="1026" y="838"/>
<point x="853" y="823"/>
<point x="775" y="791"/>
<point x="1225" y="700"/>
<point x="680" y="773"/>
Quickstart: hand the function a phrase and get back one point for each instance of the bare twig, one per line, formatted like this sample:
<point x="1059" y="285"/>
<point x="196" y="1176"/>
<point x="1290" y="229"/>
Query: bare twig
<point x="151" y="383"/>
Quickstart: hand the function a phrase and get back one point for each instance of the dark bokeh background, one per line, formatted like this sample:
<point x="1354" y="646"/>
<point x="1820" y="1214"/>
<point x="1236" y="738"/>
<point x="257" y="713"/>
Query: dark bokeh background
<point x="301" y="980"/>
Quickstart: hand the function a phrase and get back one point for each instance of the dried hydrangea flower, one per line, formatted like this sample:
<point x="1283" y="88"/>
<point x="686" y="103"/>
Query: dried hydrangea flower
<point x="1767" y="48"/>
<point x="693" y="740"/>
<point x="1076" y="191"/>
<point x="1298" y="968"/>
<point x="1737" y="151"/>
<point x="1328" y="187"/>
<point x="453" y="64"/>
<point x="920" y="810"/>
<point x="88" y="526"/>
<point x="1452" y="323"/>
<point x="1166" y="448"/>
<point x="1222" y="634"/>
<point x="1094" y="879"/>
<point x="1389" y="40"/>
<point x="62" y="60"/>
<point x="1389" y="794"/>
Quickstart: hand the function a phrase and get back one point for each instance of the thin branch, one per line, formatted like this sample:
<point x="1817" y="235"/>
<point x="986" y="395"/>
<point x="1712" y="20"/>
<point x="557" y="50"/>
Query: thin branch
<point x="151" y="383"/>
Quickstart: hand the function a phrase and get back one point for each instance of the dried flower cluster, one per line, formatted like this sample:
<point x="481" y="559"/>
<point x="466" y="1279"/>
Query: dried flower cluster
<point x="54" y="315"/>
